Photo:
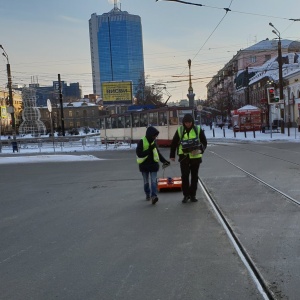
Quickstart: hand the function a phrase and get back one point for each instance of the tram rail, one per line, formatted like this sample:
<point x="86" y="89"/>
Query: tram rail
<point x="229" y="219"/>
<point x="258" y="279"/>
<point x="260" y="180"/>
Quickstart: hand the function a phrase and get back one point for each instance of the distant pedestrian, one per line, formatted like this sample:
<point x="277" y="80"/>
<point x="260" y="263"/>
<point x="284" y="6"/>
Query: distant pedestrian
<point x="148" y="157"/>
<point x="298" y="122"/>
<point x="14" y="144"/>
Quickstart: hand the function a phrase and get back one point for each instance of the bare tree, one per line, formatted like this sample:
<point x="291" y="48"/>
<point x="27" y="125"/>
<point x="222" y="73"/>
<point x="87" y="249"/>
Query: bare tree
<point x="147" y="94"/>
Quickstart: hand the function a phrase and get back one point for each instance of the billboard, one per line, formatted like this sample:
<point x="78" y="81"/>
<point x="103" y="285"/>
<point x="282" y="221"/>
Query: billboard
<point x="117" y="92"/>
<point x="3" y="112"/>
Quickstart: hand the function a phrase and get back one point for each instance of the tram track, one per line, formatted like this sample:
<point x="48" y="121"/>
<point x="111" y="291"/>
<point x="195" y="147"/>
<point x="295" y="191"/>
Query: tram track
<point x="261" y="153"/>
<point x="241" y="251"/>
<point x="260" y="180"/>
<point x="262" y="285"/>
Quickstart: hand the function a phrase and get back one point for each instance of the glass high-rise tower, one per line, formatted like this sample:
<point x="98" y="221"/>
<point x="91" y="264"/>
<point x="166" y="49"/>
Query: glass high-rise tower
<point x="116" y="48"/>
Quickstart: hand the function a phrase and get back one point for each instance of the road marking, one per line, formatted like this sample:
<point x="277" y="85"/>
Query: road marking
<point x="47" y="158"/>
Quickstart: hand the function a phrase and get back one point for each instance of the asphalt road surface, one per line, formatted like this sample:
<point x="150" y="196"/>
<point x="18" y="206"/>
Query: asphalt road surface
<point x="83" y="230"/>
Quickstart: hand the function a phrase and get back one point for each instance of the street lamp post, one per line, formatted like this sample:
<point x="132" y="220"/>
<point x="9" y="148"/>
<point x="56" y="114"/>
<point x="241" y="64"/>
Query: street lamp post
<point x="191" y="95"/>
<point x="10" y="94"/>
<point x="268" y="114"/>
<point x="276" y="32"/>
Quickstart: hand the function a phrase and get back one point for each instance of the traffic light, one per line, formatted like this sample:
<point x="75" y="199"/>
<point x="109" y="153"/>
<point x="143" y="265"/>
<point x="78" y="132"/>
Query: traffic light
<point x="271" y="96"/>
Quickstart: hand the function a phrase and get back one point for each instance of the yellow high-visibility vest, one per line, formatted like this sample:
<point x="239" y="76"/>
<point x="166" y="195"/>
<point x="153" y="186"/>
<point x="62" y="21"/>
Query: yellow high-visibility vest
<point x="192" y="135"/>
<point x="145" y="147"/>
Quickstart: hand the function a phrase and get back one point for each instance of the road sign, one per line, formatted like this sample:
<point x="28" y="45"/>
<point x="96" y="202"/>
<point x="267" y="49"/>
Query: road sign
<point x="10" y="110"/>
<point x="49" y="105"/>
<point x="199" y="107"/>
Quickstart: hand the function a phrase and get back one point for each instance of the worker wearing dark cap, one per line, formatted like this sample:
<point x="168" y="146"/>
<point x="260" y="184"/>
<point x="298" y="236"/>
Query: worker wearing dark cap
<point x="190" y="142"/>
<point x="148" y="156"/>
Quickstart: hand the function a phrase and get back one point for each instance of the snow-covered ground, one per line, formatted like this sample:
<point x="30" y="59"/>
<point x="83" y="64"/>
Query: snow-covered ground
<point x="215" y="134"/>
<point x="46" y="158"/>
<point x="294" y="135"/>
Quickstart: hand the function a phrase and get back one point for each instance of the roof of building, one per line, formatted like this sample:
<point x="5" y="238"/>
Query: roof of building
<point x="267" y="44"/>
<point x="78" y="104"/>
<point x="291" y="64"/>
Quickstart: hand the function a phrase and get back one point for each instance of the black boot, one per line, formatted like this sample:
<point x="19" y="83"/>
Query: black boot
<point x="185" y="199"/>
<point x="194" y="199"/>
<point x="154" y="199"/>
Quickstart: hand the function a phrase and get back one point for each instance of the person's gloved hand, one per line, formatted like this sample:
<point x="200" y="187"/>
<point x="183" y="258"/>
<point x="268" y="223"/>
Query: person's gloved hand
<point x="202" y="149"/>
<point x="152" y="146"/>
<point x="166" y="164"/>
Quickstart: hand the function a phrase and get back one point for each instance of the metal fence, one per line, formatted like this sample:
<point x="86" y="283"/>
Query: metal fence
<point x="63" y="144"/>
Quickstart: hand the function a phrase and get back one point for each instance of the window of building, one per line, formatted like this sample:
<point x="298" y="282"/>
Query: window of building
<point x="267" y="57"/>
<point x="70" y="113"/>
<point x="71" y="124"/>
<point x="252" y="59"/>
<point x="77" y="113"/>
<point x="78" y="124"/>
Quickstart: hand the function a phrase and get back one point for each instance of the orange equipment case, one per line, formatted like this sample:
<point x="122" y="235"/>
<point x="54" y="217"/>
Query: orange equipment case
<point x="169" y="183"/>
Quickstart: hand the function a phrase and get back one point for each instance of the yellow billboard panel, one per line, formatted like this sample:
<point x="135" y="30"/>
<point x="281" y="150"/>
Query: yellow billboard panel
<point x="117" y="91"/>
<point x="3" y="112"/>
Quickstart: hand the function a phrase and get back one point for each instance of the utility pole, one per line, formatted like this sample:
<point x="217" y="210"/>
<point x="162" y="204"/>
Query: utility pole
<point x="61" y="107"/>
<point x="280" y="84"/>
<point x="247" y="86"/>
<point x="190" y="95"/>
<point x="11" y="109"/>
<point x="280" y="79"/>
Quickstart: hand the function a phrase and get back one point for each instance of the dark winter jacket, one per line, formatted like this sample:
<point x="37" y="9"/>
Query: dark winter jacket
<point x="149" y="165"/>
<point x="176" y="138"/>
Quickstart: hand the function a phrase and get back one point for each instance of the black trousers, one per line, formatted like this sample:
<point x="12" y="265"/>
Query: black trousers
<point x="189" y="168"/>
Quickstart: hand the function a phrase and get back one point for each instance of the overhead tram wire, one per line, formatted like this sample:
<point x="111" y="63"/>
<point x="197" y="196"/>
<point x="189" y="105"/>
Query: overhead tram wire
<point x="190" y="3"/>
<point x="213" y="31"/>
<point x="228" y="9"/>
<point x="210" y="77"/>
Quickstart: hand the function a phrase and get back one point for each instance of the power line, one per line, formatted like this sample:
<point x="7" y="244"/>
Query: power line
<point x="227" y="9"/>
<point x="211" y="32"/>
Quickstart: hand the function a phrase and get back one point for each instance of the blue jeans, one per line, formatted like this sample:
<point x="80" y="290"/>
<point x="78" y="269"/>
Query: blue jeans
<point x="153" y="177"/>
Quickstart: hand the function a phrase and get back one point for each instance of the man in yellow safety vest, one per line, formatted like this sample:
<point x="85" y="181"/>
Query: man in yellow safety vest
<point x="190" y="142"/>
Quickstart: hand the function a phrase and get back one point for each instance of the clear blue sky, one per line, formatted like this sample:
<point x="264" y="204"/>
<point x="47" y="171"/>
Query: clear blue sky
<point x="46" y="38"/>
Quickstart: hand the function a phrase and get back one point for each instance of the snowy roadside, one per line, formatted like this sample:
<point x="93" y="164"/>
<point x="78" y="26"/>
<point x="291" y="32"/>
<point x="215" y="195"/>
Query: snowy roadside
<point x="58" y="152"/>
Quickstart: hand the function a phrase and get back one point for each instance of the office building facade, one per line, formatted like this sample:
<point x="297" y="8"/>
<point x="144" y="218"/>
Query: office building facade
<point x="116" y="48"/>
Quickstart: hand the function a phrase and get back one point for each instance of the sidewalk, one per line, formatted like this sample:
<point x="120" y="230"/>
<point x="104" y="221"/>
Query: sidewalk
<point x="228" y="134"/>
<point x="216" y="133"/>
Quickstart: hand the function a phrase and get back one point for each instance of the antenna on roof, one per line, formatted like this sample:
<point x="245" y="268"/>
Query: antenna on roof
<point x="116" y="8"/>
